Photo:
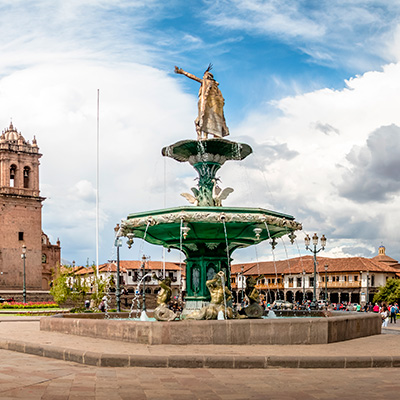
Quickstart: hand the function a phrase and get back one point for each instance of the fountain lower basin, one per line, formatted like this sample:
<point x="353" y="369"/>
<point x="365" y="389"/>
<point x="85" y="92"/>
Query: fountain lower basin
<point x="315" y="330"/>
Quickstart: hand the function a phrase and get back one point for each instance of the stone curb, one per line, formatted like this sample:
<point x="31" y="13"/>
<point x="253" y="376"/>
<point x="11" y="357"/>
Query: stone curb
<point x="197" y="361"/>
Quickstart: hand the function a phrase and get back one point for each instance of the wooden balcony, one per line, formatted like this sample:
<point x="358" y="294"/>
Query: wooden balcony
<point x="341" y="284"/>
<point x="270" y="286"/>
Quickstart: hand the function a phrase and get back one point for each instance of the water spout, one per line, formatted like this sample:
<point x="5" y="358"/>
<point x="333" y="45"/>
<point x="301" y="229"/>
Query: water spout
<point x="144" y="317"/>
<point x="137" y="296"/>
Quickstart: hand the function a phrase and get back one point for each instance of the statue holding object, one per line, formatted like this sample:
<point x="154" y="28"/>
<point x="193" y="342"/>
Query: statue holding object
<point x="253" y="310"/>
<point x="220" y="295"/>
<point x="162" y="312"/>
<point x="210" y="119"/>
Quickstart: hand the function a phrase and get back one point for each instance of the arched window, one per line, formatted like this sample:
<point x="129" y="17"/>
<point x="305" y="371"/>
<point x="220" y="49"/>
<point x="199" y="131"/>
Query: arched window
<point x="13" y="171"/>
<point x="26" y="177"/>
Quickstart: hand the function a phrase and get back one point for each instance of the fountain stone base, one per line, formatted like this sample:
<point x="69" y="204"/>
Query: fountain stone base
<point x="316" y="330"/>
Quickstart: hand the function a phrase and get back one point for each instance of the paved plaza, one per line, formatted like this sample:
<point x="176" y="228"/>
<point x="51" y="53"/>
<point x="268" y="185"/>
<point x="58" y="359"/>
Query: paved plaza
<point x="24" y="376"/>
<point x="28" y="376"/>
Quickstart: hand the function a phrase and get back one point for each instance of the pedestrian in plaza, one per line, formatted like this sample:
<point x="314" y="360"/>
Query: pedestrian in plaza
<point x="385" y="316"/>
<point x="394" y="309"/>
<point x="376" y="308"/>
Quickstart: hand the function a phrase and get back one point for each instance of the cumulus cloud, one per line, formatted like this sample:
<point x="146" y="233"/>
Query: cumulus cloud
<point x="333" y="181"/>
<point x="84" y="190"/>
<point x="374" y="171"/>
<point x="50" y="72"/>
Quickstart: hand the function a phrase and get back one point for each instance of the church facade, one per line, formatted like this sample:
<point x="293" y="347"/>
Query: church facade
<point x="21" y="216"/>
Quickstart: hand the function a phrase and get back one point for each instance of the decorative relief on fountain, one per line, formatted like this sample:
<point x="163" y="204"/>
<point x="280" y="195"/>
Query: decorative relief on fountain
<point x="210" y="217"/>
<point x="195" y="280"/>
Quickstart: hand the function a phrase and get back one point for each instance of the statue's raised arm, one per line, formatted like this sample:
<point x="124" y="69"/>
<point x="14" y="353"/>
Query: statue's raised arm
<point x="188" y="74"/>
<point x="210" y="119"/>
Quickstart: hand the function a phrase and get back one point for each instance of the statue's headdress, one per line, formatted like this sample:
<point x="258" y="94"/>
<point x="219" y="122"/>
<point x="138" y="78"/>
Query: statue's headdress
<point x="207" y="71"/>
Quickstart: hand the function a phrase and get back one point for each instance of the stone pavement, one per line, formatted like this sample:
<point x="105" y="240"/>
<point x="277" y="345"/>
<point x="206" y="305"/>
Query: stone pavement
<point x="22" y="334"/>
<point x="24" y="376"/>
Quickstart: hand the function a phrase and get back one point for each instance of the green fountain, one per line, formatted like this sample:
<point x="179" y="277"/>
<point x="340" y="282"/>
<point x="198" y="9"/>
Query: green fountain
<point x="207" y="232"/>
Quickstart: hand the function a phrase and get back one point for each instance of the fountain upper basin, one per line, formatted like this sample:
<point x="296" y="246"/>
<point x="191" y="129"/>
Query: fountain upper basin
<point x="206" y="226"/>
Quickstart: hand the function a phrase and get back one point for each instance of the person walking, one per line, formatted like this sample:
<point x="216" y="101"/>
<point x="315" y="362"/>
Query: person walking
<point x="385" y="316"/>
<point x="394" y="309"/>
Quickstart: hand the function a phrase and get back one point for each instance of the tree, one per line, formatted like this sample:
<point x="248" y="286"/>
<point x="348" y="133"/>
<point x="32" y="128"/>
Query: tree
<point x="100" y="287"/>
<point x="59" y="287"/>
<point x="390" y="293"/>
<point x="78" y="293"/>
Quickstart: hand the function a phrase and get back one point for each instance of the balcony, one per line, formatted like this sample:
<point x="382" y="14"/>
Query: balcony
<point x="341" y="284"/>
<point x="270" y="286"/>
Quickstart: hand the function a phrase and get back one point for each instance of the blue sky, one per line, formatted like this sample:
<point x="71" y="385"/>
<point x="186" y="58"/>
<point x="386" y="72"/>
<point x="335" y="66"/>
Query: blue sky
<point x="311" y="85"/>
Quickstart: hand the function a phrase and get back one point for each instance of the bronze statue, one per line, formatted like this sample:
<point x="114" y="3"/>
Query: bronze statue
<point x="210" y="119"/>
<point x="253" y="310"/>
<point x="162" y="312"/>
<point x="220" y="295"/>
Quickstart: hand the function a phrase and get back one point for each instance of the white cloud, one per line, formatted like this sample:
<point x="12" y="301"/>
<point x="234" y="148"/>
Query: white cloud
<point x="141" y="110"/>
<point x="51" y="69"/>
<point x="309" y="184"/>
<point x="347" y="33"/>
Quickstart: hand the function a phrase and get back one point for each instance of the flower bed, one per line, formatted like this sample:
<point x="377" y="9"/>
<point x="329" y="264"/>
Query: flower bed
<point x="29" y="305"/>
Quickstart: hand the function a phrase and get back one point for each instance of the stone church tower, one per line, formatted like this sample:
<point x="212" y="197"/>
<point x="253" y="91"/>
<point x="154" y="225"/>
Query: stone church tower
<point x="20" y="212"/>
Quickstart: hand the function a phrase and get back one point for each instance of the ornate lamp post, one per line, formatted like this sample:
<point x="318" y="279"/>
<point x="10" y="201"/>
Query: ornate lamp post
<point x="326" y="282"/>
<point x="144" y="282"/>
<point x="242" y="284"/>
<point x="315" y="252"/>
<point x="23" y="256"/>
<point x="118" y="244"/>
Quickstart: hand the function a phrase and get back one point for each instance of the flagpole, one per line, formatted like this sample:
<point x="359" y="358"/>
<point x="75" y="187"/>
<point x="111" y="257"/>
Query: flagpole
<point x="97" y="182"/>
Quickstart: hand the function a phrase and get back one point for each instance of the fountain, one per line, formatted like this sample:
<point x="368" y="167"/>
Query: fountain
<point x="208" y="233"/>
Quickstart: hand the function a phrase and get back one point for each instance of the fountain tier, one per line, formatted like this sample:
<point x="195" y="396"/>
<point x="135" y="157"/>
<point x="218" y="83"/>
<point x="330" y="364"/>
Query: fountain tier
<point x="203" y="238"/>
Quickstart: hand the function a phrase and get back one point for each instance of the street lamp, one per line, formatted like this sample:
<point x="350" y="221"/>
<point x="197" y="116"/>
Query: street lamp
<point x="242" y="284"/>
<point x="23" y="256"/>
<point x="315" y="252"/>
<point x="118" y="244"/>
<point x="144" y="282"/>
<point x="326" y="282"/>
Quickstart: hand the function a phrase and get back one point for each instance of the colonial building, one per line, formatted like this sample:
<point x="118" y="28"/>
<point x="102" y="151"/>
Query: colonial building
<point x="51" y="255"/>
<point x="351" y="279"/>
<point x="132" y="272"/>
<point x="21" y="216"/>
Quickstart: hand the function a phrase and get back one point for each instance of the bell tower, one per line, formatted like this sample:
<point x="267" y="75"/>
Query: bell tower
<point x="20" y="211"/>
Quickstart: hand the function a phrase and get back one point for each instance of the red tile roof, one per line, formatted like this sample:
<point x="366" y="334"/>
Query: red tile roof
<point x="131" y="265"/>
<point x="306" y="263"/>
